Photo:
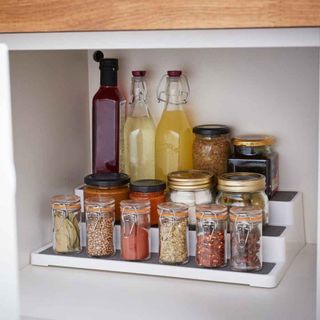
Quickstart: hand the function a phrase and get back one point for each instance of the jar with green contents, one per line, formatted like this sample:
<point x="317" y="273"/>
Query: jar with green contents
<point x="241" y="189"/>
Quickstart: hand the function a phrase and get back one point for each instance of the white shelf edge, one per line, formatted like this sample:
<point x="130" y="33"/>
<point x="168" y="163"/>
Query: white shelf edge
<point x="167" y="39"/>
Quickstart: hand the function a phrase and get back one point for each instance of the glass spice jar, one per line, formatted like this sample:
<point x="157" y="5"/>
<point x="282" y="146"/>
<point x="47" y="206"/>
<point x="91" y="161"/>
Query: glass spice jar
<point x="135" y="230"/>
<point x="152" y="190"/>
<point x="246" y="238"/>
<point x="240" y="189"/>
<point x="192" y="187"/>
<point x="66" y="211"/>
<point x="254" y="153"/>
<point x="211" y="148"/>
<point x="211" y="231"/>
<point x="173" y="233"/>
<point x="100" y="226"/>
<point x="115" y="185"/>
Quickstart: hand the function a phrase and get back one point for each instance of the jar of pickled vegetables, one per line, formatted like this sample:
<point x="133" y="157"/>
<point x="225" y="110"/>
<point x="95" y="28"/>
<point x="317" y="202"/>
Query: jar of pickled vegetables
<point x="173" y="233"/>
<point x="115" y="185"/>
<point x="241" y="189"/>
<point x="211" y="231"/>
<point x="100" y="226"/>
<point x="66" y="212"/>
<point x="246" y="238"/>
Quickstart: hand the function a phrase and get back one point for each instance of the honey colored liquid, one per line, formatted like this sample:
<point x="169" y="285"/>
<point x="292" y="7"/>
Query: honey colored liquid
<point x="174" y="140"/>
<point x="139" y="141"/>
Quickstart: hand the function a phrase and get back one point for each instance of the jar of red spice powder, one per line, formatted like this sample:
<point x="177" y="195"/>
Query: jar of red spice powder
<point x="135" y="230"/>
<point x="152" y="190"/>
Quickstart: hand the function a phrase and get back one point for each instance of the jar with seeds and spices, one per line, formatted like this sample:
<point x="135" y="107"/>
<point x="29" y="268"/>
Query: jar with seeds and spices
<point x="66" y="211"/>
<point x="246" y="238"/>
<point x="100" y="217"/>
<point x="211" y="232"/>
<point x="135" y="230"/>
<point x="173" y="233"/>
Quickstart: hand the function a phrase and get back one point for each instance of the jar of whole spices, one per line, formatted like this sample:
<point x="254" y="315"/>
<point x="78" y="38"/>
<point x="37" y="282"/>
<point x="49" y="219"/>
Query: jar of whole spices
<point x="100" y="226"/>
<point x="211" y="248"/>
<point x="173" y="233"/>
<point x="240" y="189"/>
<point x="152" y="190"/>
<point x="66" y="211"/>
<point x="246" y="238"/>
<point x="115" y="185"/>
<point x="254" y="153"/>
<point x="135" y="230"/>
<point x="211" y="148"/>
<point x="192" y="187"/>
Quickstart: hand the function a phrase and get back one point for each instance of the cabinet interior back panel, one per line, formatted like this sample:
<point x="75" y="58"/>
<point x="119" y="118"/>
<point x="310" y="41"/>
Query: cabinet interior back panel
<point x="273" y="91"/>
<point x="51" y="136"/>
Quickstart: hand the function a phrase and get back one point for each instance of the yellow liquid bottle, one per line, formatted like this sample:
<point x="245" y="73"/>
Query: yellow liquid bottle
<point x="139" y="134"/>
<point x="174" y="135"/>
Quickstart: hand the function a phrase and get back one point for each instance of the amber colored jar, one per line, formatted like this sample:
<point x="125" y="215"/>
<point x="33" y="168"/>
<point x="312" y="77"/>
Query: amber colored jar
<point x="152" y="190"/>
<point x="115" y="185"/>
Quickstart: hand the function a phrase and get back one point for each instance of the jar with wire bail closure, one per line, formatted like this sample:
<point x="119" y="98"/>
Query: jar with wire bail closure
<point x="100" y="217"/>
<point x="135" y="230"/>
<point x="240" y="189"/>
<point x="246" y="238"/>
<point x="211" y="232"/>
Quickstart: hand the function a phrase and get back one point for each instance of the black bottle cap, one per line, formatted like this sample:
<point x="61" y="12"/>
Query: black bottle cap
<point x="211" y="129"/>
<point x="98" y="55"/>
<point x="108" y="72"/>
<point x="109" y="63"/>
<point x="147" y="185"/>
<point x="107" y="179"/>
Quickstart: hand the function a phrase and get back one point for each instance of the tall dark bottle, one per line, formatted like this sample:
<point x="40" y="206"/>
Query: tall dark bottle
<point x="108" y="118"/>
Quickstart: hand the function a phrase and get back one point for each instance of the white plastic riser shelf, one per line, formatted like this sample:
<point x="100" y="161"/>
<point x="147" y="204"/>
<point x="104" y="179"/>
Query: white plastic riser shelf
<point x="279" y="251"/>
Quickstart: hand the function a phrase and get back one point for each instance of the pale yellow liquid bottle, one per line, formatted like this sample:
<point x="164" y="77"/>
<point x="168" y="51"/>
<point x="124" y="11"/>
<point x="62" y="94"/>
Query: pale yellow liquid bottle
<point x="174" y="135"/>
<point x="139" y="134"/>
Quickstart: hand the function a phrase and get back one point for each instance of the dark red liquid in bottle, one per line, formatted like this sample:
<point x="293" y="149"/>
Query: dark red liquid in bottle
<point x="107" y="117"/>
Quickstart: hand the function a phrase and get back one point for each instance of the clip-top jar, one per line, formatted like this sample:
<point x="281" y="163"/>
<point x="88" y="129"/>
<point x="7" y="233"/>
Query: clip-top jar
<point x="246" y="238"/>
<point x="135" y="230"/>
<point x="254" y="153"/>
<point x="66" y="218"/>
<point x="100" y="226"/>
<point x="211" y="248"/>
<point x="115" y="185"/>
<point x="173" y="233"/>
<point x="240" y="189"/>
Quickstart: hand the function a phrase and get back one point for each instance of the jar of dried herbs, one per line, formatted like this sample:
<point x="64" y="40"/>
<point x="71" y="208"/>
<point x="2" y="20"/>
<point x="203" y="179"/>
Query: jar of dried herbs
<point x="173" y="233"/>
<point x="100" y="216"/>
<point x="241" y="189"/>
<point x="211" y="231"/>
<point x="246" y="238"/>
<point x="211" y="148"/>
<point x="66" y="212"/>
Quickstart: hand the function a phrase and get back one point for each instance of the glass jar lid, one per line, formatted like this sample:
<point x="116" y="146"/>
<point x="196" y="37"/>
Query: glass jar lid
<point x="253" y="140"/>
<point x="248" y="213"/>
<point x="135" y="206"/>
<point x="211" y="129"/>
<point x="147" y="185"/>
<point x="107" y="179"/>
<point x="241" y="182"/>
<point x="173" y="209"/>
<point x="211" y="211"/>
<point x="99" y="204"/>
<point x="190" y="180"/>
<point x="65" y="202"/>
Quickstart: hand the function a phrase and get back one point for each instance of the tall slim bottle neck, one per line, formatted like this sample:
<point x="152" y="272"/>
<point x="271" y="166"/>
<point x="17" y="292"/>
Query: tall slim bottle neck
<point x="174" y="98"/>
<point x="139" y="93"/>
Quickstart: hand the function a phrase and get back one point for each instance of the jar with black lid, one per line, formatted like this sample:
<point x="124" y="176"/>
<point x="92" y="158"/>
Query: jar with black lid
<point x="115" y="185"/>
<point x="254" y="153"/>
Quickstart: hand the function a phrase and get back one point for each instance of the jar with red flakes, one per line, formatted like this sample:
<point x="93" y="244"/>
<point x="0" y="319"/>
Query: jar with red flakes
<point x="211" y="229"/>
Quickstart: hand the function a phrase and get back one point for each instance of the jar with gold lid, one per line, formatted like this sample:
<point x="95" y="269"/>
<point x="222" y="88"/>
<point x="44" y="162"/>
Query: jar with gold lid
<point x="240" y="189"/>
<point x="254" y="153"/>
<point x="66" y="212"/>
<point x="192" y="187"/>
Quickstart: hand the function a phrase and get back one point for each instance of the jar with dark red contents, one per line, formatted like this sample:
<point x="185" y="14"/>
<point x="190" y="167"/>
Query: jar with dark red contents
<point x="211" y="229"/>
<point x="246" y="238"/>
<point x="135" y="230"/>
<point x="152" y="190"/>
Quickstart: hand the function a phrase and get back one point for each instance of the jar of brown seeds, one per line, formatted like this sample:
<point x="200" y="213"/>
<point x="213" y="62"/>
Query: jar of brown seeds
<point x="100" y="216"/>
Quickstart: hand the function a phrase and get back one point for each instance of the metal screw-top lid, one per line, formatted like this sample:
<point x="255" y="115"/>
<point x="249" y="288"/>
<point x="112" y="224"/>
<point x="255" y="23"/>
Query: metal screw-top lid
<point x="253" y="140"/>
<point x="107" y="179"/>
<point x="147" y="185"/>
<point x="211" y="129"/>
